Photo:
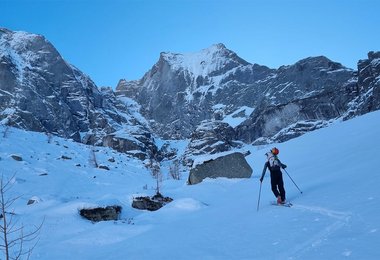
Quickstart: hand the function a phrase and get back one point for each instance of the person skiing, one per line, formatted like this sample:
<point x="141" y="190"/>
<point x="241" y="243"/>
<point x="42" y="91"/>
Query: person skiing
<point x="274" y="165"/>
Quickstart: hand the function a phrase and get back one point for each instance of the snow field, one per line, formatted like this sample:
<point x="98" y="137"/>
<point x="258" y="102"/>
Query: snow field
<point x="336" y="217"/>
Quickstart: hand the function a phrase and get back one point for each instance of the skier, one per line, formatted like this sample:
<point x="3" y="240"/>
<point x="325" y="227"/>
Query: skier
<point x="274" y="165"/>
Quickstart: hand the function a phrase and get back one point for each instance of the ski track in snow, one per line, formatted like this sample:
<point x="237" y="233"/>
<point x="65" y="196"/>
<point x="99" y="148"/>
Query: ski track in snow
<point x="341" y="219"/>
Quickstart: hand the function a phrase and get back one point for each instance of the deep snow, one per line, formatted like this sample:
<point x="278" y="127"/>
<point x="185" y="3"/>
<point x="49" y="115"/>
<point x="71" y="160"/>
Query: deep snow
<point x="336" y="217"/>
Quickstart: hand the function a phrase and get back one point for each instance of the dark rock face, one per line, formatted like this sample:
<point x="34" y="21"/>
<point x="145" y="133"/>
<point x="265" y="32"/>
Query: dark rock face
<point x="101" y="214"/>
<point x="40" y="91"/>
<point x="45" y="93"/>
<point x="229" y="166"/>
<point x="366" y="89"/>
<point x="283" y="122"/>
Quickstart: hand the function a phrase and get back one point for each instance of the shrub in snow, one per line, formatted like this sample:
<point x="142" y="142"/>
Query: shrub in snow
<point x="13" y="237"/>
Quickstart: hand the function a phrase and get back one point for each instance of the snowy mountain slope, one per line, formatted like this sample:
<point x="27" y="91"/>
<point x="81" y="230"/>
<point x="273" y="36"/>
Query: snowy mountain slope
<point x="336" y="217"/>
<point x="40" y="91"/>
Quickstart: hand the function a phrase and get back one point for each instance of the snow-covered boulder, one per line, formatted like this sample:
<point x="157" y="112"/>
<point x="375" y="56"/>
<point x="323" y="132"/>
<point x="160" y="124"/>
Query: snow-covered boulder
<point x="33" y="200"/>
<point x="151" y="203"/>
<point x="232" y="165"/>
<point x="101" y="213"/>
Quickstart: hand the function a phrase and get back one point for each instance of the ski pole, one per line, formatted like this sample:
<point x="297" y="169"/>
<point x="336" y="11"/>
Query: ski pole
<point x="258" y="202"/>
<point x="293" y="181"/>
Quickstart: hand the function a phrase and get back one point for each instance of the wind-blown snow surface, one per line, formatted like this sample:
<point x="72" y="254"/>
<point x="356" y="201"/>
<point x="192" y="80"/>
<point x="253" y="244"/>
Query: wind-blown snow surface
<point x="336" y="217"/>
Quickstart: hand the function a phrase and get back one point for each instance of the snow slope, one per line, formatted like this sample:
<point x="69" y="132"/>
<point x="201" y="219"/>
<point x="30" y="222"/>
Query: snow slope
<point x="336" y="217"/>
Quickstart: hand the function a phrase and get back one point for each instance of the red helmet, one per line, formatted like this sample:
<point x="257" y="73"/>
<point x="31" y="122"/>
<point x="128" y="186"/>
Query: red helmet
<point x="275" y="151"/>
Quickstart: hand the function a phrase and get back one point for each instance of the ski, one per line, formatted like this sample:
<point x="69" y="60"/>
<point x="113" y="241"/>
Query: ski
<point x="287" y="204"/>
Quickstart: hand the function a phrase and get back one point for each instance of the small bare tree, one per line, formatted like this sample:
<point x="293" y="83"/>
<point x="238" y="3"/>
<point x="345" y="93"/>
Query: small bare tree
<point x="174" y="170"/>
<point x="6" y="131"/>
<point x="93" y="161"/>
<point x="154" y="166"/>
<point x="13" y="237"/>
<point x="7" y="122"/>
<point x="49" y="137"/>
<point x="158" y="176"/>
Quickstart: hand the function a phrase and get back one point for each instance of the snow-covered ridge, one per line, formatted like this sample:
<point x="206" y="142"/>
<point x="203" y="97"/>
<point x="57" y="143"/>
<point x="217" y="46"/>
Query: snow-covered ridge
<point x="15" y="46"/>
<point x="201" y="63"/>
<point x="20" y="39"/>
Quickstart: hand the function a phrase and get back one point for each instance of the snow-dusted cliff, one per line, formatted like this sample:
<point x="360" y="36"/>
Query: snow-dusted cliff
<point x="40" y="91"/>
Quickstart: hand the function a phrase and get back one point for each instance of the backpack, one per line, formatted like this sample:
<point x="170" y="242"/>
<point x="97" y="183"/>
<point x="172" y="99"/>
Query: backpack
<point x="274" y="162"/>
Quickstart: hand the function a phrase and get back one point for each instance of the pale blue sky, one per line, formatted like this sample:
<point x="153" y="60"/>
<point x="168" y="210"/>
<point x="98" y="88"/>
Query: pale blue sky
<point x="113" y="39"/>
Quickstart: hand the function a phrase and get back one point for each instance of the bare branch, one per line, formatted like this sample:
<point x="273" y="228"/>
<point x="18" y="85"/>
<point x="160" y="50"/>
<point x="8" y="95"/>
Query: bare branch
<point x="13" y="237"/>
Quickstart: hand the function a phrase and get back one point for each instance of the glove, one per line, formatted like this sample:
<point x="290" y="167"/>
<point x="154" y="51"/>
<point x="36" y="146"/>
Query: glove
<point x="261" y="179"/>
<point x="284" y="166"/>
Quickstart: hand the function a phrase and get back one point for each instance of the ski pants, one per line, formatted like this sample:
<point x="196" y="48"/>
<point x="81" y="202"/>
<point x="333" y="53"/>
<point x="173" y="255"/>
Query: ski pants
<point x="277" y="184"/>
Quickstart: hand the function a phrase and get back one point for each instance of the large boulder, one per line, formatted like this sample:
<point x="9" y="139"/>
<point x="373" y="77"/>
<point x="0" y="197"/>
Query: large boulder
<point x="232" y="165"/>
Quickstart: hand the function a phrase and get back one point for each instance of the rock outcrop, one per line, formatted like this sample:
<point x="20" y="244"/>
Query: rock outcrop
<point x="365" y="88"/>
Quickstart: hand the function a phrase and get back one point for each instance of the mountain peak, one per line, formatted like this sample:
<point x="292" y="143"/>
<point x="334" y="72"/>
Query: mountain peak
<point x="318" y="62"/>
<point x="218" y="46"/>
<point x="19" y="37"/>
<point x="205" y="61"/>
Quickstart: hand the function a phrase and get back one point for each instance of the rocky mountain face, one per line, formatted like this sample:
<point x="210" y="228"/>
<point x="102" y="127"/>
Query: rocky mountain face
<point x="365" y="88"/>
<point x="181" y="90"/>
<point x="40" y="91"/>
<point x="315" y="92"/>
<point x="188" y="95"/>
<point x="213" y="97"/>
